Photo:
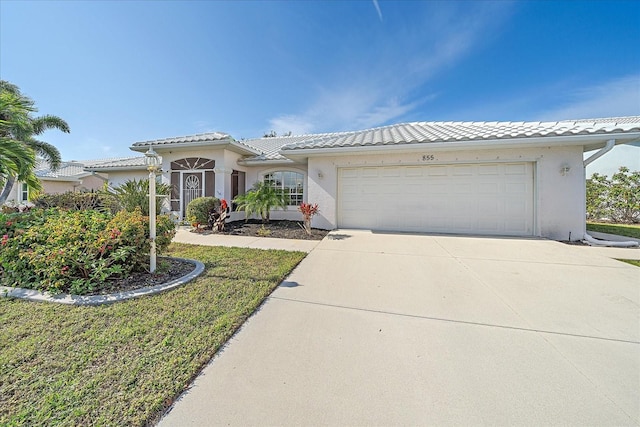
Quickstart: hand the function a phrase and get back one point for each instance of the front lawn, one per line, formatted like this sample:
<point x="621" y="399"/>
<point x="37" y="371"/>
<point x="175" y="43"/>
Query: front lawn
<point x="631" y="261"/>
<point x="618" y="229"/>
<point x="123" y="364"/>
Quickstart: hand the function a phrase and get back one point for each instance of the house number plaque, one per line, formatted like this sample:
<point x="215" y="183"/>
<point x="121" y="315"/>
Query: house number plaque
<point x="428" y="157"/>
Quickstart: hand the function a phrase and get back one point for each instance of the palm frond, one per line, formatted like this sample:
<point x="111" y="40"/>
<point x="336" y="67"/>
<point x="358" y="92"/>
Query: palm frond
<point x="46" y="122"/>
<point x="45" y="150"/>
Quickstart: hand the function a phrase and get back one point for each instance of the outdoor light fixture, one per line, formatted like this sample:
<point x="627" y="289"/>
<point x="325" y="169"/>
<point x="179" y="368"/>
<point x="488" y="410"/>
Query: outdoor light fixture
<point x="564" y="170"/>
<point x="152" y="161"/>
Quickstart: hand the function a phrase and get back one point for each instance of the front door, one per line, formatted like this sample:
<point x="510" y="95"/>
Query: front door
<point x="192" y="188"/>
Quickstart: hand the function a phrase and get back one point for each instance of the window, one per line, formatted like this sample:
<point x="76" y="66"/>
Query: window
<point x="24" y="193"/>
<point x="291" y="183"/>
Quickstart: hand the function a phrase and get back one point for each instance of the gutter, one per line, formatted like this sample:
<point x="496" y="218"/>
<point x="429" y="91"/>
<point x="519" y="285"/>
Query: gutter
<point x="601" y="152"/>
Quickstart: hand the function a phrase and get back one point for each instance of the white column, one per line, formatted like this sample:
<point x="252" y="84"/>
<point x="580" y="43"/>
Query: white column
<point x="223" y="183"/>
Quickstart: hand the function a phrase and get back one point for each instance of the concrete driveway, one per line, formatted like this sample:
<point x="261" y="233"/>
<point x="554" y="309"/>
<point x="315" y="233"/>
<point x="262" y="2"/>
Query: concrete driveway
<point x="400" y="329"/>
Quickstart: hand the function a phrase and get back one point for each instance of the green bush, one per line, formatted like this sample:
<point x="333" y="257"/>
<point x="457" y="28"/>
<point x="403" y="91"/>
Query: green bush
<point x="75" y="252"/>
<point x="134" y="194"/>
<point x="616" y="199"/>
<point x="100" y="201"/>
<point x="198" y="210"/>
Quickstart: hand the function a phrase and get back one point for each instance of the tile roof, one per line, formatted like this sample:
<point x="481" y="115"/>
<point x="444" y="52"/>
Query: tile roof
<point x="116" y="163"/>
<point x="70" y="170"/>
<point x="269" y="148"/>
<point x="430" y="132"/>
<point x="201" y="137"/>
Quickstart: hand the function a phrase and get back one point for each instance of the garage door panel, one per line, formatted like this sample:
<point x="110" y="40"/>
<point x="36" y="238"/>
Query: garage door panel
<point x="471" y="198"/>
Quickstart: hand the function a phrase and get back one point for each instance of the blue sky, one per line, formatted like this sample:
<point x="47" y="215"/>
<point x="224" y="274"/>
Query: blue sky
<point x="126" y="71"/>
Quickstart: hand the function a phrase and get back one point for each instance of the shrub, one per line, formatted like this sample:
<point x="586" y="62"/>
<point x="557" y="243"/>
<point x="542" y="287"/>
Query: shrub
<point x="100" y="201"/>
<point x="616" y="199"/>
<point x="76" y="251"/>
<point x="198" y="210"/>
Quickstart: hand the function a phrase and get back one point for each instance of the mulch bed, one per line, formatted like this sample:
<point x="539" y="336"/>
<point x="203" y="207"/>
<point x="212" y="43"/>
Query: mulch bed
<point x="168" y="269"/>
<point x="279" y="229"/>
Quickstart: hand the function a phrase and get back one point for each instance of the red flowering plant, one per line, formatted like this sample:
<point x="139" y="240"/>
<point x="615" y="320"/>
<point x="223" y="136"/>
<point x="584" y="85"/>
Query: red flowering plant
<point x="308" y="210"/>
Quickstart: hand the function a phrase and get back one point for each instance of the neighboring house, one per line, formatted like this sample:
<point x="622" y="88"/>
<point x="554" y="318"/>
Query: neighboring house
<point x="71" y="176"/>
<point x="483" y="178"/>
<point x="120" y="170"/>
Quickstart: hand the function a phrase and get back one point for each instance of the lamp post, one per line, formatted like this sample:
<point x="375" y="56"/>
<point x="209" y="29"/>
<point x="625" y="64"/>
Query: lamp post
<point x="152" y="161"/>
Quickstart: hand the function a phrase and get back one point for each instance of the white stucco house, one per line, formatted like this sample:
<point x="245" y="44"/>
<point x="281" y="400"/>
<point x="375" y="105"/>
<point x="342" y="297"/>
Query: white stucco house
<point x="484" y="178"/>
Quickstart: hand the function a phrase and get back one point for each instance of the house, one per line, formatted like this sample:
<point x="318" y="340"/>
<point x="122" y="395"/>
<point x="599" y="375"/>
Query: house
<point x="70" y="176"/>
<point x="484" y="178"/>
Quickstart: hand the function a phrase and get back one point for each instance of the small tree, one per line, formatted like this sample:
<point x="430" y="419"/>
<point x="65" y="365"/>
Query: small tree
<point x="260" y="200"/>
<point x="616" y="199"/>
<point x="308" y="211"/>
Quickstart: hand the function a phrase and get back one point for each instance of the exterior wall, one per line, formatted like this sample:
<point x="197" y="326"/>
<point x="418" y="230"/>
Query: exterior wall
<point x="559" y="200"/>
<point x="117" y="178"/>
<point x="92" y="182"/>
<point x="53" y="187"/>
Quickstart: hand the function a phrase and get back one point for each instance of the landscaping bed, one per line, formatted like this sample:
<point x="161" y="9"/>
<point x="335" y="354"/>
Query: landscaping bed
<point x="125" y="363"/>
<point x="279" y="229"/>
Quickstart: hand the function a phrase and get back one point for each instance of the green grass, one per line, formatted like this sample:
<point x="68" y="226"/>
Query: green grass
<point x="630" y="261"/>
<point x="618" y="229"/>
<point x="123" y="364"/>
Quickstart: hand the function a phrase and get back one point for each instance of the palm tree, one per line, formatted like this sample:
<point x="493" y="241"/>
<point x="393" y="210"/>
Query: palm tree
<point x="15" y="158"/>
<point x="260" y="200"/>
<point x="18" y="129"/>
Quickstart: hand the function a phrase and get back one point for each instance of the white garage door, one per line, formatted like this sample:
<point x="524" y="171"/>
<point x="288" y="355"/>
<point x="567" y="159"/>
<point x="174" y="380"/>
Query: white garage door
<point x="495" y="199"/>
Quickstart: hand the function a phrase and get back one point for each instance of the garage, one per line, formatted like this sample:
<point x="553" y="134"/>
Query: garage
<point x="480" y="198"/>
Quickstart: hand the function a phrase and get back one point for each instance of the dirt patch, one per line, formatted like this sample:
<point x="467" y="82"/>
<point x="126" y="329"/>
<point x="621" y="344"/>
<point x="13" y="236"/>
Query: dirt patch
<point x="279" y="229"/>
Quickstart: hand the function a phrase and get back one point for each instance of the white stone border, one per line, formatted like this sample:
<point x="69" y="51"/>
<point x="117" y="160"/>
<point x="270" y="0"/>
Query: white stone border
<point x="32" y="295"/>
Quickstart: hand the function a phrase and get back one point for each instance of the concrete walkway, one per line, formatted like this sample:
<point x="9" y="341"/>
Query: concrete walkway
<point x="185" y="236"/>
<point x="401" y="329"/>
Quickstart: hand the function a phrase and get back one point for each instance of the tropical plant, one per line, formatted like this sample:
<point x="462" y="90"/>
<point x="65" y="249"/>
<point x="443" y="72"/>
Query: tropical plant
<point x="18" y="129"/>
<point x="134" y="194"/>
<point x="15" y="158"/>
<point x="308" y="211"/>
<point x="260" y="200"/>
<point x="616" y="199"/>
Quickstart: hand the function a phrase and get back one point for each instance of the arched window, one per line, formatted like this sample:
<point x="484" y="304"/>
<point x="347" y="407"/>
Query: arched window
<point x="291" y="183"/>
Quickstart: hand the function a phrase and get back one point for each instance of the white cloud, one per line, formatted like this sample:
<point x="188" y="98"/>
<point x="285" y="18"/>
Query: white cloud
<point x="377" y="6"/>
<point x="380" y="89"/>
<point x="294" y="124"/>
<point x="617" y="97"/>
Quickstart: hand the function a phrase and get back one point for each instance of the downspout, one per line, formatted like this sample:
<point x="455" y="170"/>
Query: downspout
<point x="601" y="152"/>
<point x="587" y="237"/>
